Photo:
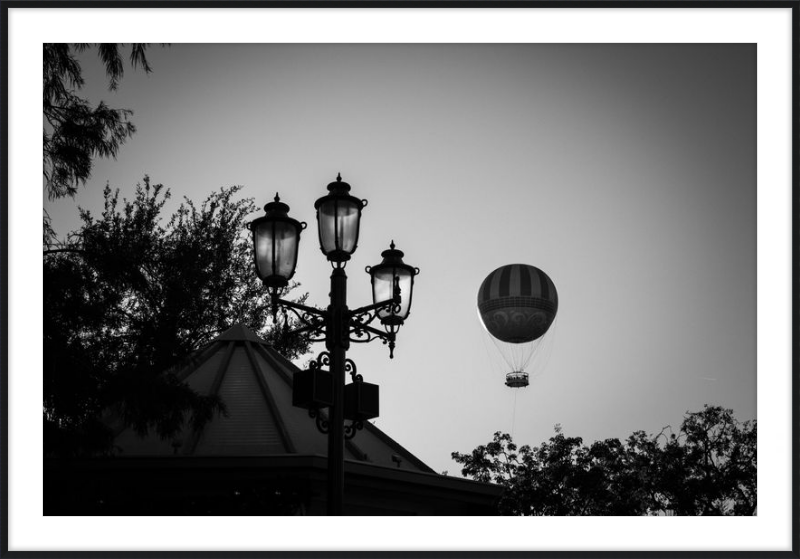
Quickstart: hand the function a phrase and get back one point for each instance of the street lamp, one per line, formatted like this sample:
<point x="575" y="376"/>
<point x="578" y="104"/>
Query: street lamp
<point x="390" y="275"/>
<point x="276" y="239"/>
<point x="338" y="218"/>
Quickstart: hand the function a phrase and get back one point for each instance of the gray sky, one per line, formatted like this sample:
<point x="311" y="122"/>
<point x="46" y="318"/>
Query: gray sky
<point x="625" y="172"/>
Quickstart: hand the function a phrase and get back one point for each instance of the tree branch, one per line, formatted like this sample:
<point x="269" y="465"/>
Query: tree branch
<point x="58" y="250"/>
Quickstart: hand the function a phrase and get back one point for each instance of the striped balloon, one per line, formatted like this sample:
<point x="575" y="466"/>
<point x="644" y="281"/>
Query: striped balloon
<point x="517" y="303"/>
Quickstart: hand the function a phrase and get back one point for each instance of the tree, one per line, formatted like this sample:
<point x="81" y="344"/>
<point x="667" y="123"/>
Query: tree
<point x="127" y="298"/>
<point x="709" y="467"/>
<point x="75" y="132"/>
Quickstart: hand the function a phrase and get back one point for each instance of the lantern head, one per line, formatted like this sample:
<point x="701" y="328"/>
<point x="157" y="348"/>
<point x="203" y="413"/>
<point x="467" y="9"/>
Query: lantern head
<point x="386" y="276"/>
<point x="338" y="218"/>
<point x="276" y="238"/>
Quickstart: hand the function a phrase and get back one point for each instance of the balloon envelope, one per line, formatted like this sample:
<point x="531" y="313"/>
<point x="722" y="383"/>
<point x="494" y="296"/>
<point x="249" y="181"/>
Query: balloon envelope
<point x="517" y="303"/>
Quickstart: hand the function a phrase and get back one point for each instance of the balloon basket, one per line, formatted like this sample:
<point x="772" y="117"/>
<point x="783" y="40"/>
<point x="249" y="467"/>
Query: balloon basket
<point x="517" y="379"/>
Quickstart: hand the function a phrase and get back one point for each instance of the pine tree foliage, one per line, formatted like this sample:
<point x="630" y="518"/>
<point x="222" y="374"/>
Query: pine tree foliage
<point x="75" y="131"/>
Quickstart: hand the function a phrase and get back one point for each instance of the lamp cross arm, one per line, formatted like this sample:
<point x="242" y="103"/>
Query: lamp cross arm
<point x="304" y="308"/>
<point x="375" y="333"/>
<point x="375" y="306"/>
<point x="364" y="333"/>
<point x="313" y="320"/>
<point x="311" y="328"/>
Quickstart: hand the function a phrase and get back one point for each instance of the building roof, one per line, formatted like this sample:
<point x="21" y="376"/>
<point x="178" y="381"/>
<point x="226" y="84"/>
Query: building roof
<point x="255" y="384"/>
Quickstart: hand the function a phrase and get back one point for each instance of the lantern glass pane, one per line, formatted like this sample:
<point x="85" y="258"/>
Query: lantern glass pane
<point x="264" y="249"/>
<point x="276" y="249"/>
<point x="338" y="225"/>
<point x="383" y="289"/>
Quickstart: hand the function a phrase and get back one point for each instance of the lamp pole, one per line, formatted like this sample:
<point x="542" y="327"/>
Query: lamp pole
<point x="276" y="239"/>
<point x="337" y="343"/>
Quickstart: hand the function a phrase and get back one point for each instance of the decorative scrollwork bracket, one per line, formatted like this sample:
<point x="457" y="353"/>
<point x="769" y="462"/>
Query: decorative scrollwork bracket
<point x="350" y="430"/>
<point x="322" y="361"/>
<point x="362" y="332"/>
<point x="350" y="367"/>
<point x="314" y="321"/>
<point x="323" y="425"/>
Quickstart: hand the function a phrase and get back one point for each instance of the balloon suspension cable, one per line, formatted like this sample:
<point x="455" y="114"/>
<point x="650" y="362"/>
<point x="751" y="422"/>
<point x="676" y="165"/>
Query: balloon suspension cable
<point x="514" y="415"/>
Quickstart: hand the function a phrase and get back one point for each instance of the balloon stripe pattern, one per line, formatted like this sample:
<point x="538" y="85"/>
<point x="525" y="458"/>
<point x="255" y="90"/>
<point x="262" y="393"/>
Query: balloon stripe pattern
<point x="517" y="303"/>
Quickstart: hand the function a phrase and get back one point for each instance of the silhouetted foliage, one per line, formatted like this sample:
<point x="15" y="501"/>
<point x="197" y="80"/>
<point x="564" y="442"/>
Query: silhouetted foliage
<point x="75" y="132"/>
<point x="707" y="468"/>
<point x="128" y="298"/>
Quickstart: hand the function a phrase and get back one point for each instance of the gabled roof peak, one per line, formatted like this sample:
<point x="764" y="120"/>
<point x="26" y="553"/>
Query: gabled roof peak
<point x="255" y="384"/>
<point x="239" y="333"/>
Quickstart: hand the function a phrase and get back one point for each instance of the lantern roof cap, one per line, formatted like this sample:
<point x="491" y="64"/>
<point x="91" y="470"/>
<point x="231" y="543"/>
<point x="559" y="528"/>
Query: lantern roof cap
<point x="393" y="258"/>
<point x="338" y="186"/>
<point x="340" y="190"/>
<point x="393" y="253"/>
<point x="277" y="207"/>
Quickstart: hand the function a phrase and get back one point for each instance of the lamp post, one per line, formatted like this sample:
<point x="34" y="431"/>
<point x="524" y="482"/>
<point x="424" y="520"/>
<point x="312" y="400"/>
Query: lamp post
<point x="276" y="239"/>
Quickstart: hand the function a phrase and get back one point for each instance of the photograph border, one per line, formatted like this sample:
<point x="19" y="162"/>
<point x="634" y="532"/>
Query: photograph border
<point x="435" y="4"/>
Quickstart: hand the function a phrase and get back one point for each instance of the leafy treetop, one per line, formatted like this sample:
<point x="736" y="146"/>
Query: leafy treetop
<point x="127" y="298"/>
<point x="707" y="468"/>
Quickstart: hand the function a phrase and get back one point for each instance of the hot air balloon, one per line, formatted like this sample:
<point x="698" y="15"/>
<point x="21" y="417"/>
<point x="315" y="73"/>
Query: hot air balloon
<point x="517" y="304"/>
